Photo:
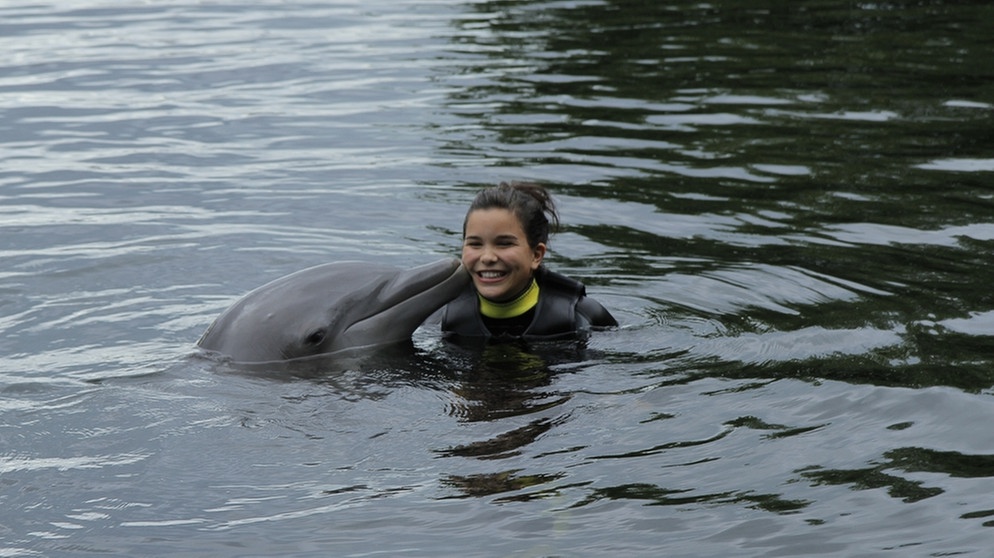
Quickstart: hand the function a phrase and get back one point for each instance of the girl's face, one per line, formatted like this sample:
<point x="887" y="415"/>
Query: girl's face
<point x="495" y="250"/>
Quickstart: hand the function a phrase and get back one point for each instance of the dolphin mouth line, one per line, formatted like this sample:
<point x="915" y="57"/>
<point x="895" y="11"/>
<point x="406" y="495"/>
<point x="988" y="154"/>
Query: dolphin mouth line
<point x="401" y="301"/>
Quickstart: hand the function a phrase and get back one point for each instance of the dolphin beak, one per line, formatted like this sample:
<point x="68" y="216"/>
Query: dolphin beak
<point x="407" y="299"/>
<point x="434" y="284"/>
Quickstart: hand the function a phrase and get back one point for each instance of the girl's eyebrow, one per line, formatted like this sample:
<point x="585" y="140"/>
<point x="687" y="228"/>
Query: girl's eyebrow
<point x="499" y="237"/>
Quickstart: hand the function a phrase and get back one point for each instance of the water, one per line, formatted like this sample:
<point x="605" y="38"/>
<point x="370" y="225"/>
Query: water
<point x="787" y="205"/>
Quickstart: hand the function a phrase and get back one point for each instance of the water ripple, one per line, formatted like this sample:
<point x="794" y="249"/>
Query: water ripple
<point x="796" y="241"/>
<point x="11" y="463"/>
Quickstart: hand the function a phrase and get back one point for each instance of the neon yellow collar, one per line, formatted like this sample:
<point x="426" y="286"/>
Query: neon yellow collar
<point x="513" y="308"/>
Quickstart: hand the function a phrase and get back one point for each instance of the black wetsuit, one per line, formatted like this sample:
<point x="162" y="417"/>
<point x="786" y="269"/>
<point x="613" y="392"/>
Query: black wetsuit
<point x="563" y="311"/>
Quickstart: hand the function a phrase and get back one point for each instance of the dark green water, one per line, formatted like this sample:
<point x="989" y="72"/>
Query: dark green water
<point x="770" y="146"/>
<point x="787" y="205"/>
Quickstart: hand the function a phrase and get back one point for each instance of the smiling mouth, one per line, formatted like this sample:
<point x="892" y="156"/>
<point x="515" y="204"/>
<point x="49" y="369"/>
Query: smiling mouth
<point x="491" y="275"/>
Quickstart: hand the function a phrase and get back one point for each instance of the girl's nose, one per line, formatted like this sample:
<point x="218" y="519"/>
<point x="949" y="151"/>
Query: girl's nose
<point x="488" y="256"/>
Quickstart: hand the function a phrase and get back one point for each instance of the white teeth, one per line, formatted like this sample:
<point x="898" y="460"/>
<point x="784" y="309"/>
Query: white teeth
<point x="491" y="274"/>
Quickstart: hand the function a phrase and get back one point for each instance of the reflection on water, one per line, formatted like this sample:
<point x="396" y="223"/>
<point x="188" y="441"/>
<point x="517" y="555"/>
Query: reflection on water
<point x="505" y="379"/>
<point x="787" y="206"/>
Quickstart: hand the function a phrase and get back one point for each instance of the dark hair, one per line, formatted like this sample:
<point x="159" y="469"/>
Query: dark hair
<point x="530" y="203"/>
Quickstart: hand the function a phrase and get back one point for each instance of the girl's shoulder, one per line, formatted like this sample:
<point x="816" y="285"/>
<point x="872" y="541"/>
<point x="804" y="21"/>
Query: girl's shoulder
<point x="550" y="279"/>
<point x="585" y="307"/>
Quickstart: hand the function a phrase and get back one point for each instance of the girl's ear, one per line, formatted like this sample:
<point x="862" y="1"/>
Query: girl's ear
<point x="538" y="252"/>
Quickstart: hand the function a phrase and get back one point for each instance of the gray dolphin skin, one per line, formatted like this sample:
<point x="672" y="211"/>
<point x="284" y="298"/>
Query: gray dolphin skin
<point x="331" y="307"/>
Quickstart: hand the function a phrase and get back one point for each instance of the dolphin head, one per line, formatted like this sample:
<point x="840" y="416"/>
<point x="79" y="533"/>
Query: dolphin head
<point x="331" y="307"/>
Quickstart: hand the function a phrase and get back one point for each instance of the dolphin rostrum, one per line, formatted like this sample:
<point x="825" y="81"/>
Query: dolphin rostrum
<point x="331" y="307"/>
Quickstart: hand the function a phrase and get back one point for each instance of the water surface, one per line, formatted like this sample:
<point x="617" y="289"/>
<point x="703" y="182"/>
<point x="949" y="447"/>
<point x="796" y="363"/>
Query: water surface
<point x="788" y="208"/>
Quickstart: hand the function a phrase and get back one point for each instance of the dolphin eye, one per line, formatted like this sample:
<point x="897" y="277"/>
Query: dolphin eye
<point x="315" y="337"/>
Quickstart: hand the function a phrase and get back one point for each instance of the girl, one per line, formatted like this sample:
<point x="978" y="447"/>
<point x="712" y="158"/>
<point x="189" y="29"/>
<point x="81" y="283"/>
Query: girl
<point x="514" y="296"/>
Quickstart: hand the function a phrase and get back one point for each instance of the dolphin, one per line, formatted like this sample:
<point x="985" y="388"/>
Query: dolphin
<point x="332" y="307"/>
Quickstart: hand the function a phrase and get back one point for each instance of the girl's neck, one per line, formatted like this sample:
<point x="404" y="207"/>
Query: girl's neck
<point x="525" y="301"/>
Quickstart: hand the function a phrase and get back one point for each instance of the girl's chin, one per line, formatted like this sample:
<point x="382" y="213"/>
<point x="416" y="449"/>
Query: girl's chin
<point x="495" y="293"/>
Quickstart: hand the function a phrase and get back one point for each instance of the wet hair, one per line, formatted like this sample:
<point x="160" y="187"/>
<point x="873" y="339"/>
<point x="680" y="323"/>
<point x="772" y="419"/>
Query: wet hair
<point x="530" y="203"/>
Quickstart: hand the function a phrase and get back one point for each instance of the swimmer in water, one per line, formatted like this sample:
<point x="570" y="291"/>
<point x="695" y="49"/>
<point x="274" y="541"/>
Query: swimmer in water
<point x="514" y="296"/>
